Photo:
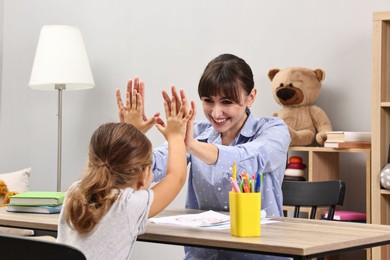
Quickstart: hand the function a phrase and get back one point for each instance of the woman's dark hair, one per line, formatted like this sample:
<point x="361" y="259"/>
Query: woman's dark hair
<point x="226" y="75"/>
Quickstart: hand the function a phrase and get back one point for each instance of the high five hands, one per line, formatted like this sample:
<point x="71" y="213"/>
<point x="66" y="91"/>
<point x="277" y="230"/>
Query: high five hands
<point x="190" y="129"/>
<point x="177" y="119"/>
<point x="134" y="113"/>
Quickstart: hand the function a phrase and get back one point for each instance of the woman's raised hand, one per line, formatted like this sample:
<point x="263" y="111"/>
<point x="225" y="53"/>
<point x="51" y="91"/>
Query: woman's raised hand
<point x="174" y="95"/>
<point x="189" y="139"/>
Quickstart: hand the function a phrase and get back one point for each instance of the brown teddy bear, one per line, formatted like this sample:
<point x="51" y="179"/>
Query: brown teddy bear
<point x="4" y="192"/>
<point x="296" y="89"/>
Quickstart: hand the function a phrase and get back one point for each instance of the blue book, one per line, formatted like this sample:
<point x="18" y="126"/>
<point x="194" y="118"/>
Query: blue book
<point x="35" y="209"/>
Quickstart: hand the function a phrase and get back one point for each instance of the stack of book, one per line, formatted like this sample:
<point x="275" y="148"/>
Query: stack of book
<point x="350" y="216"/>
<point x="348" y="139"/>
<point x="45" y="202"/>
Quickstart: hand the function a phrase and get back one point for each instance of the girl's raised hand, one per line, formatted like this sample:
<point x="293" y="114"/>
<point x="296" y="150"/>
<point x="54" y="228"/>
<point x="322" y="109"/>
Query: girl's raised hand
<point x="134" y="112"/>
<point x="177" y="119"/>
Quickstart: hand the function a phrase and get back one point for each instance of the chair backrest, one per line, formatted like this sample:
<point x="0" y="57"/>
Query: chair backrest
<point x="17" y="247"/>
<point x="313" y="194"/>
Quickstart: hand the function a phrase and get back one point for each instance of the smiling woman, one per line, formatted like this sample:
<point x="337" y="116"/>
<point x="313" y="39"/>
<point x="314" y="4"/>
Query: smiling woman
<point x="232" y="134"/>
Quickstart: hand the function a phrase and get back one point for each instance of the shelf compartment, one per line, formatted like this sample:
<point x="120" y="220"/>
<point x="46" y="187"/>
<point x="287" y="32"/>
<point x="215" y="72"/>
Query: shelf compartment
<point x="380" y="123"/>
<point x="385" y="192"/>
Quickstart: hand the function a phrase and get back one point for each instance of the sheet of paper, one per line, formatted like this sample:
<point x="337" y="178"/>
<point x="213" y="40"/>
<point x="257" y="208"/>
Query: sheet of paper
<point x="268" y="221"/>
<point x="208" y="219"/>
<point x="204" y="219"/>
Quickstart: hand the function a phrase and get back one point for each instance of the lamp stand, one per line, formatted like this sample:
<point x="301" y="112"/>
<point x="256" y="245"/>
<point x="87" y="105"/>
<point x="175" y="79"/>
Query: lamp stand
<point x="60" y="88"/>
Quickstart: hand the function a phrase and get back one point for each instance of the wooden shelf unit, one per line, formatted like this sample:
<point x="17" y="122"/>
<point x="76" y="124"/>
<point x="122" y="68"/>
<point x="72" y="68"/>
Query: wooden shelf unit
<point x="380" y="122"/>
<point x="323" y="165"/>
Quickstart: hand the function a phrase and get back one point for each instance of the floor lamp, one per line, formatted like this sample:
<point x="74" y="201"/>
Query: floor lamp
<point x="61" y="63"/>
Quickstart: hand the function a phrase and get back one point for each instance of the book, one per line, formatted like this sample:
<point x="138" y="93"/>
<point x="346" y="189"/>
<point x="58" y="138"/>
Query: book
<point x="37" y="198"/>
<point x="345" y="145"/>
<point x="347" y="216"/>
<point x="347" y="136"/>
<point x="35" y="209"/>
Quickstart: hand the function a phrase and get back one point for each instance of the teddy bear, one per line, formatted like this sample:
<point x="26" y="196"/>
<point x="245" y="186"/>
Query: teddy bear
<point x="4" y="192"/>
<point x="296" y="89"/>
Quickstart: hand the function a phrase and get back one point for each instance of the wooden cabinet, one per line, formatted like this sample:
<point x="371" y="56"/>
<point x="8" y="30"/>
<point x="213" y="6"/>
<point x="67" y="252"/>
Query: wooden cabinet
<point x="380" y="123"/>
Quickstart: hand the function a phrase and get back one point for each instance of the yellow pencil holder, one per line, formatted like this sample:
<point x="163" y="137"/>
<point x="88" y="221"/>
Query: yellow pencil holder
<point x="245" y="210"/>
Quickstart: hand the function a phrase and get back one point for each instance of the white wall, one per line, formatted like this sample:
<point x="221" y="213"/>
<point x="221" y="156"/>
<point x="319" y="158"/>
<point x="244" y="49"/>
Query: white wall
<point x="170" y="42"/>
<point x="1" y="41"/>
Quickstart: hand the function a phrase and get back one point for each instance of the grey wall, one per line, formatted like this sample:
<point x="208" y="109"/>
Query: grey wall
<point x="1" y="42"/>
<point x="170" y="42"/>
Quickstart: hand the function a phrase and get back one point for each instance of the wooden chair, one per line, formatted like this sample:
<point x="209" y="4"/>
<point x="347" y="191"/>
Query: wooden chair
<point x="313" y="194"/>
<point x="21" y="248"/>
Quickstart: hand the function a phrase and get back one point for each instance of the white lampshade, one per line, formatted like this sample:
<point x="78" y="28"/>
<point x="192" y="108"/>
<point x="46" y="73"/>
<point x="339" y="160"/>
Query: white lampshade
<point x="61" y="59"/>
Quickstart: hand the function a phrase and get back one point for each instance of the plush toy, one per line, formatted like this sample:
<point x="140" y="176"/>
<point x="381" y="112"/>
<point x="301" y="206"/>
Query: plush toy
<point x="296" y="89"/>
<point x="4" y="192"/>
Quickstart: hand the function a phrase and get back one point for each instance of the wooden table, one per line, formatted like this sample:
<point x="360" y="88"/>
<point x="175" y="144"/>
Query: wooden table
<point x="42" y="224"/>
<point x="298" y="238"/>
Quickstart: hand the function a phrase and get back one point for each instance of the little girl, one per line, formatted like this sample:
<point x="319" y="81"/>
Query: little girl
<point x="105" y="211"/>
